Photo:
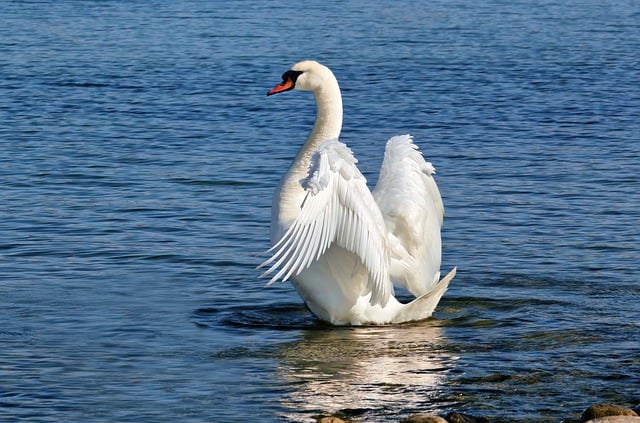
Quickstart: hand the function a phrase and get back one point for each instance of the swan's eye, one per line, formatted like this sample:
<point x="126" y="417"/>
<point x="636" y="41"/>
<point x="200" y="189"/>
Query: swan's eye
<point x="291" y="75"/>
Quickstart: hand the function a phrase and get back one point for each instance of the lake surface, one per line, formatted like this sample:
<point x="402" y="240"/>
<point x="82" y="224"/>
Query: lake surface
<point x="139" y="154"/>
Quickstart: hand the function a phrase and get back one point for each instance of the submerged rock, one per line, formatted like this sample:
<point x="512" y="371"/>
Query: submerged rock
<point x="423" y="418"/>
<point x="330" y="419"/>
<point x="598" y="411"/>
<point x="464" y="418"/>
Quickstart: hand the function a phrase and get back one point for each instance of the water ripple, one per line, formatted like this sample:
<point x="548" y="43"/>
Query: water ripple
<point x="139" y="155"/>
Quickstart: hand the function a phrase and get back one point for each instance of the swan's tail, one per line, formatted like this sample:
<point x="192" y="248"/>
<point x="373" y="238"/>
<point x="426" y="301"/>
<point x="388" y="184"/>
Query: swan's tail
<point x="423" y="306"/>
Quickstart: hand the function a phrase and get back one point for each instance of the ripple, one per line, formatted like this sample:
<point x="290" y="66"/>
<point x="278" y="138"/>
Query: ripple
<point x="138" y="180"/>
<point x="273" y="316"/>
<point x="215" y="182"/>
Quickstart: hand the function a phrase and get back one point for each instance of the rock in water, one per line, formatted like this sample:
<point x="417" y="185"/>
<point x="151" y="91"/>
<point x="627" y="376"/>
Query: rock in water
<point x="464" y="418"/>
<point x="424" y="418"/>
<point x="605" y="410"/>
<point x="330" y="419"/>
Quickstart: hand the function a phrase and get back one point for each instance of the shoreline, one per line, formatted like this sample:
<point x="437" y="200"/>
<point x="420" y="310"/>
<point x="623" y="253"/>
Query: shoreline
<point x="597" y="413"/>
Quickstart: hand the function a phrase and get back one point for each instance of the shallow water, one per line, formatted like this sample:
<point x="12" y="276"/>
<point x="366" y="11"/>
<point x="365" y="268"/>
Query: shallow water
<point x="139" y="154"/>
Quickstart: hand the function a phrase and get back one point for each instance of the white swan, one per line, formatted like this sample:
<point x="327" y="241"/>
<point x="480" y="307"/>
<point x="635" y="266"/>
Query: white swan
<point x="342" y="245"/>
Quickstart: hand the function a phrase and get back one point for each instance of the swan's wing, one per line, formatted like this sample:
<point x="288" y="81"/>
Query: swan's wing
<point x="410" y="203"/>
<point x="338" y="208"/>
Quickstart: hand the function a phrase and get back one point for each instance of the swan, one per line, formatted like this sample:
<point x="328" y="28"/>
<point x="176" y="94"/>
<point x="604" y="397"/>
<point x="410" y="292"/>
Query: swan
<point x="342" y="245"/>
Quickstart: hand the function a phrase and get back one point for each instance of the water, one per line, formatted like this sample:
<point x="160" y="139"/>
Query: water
<point x="138" y="156"/>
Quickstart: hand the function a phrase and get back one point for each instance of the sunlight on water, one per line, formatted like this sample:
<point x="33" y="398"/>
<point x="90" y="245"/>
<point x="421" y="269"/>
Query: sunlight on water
<point x="362" y="368"/>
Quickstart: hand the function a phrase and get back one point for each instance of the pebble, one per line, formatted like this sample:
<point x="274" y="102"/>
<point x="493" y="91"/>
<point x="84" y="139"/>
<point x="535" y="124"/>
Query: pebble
<point x="331" y="419"/>
<point x="424" y="418"/>
<point x="598" y="411"/>
<point x="464" y="418"/>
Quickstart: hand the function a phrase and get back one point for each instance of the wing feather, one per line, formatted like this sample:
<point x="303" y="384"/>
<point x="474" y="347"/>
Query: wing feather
<point x="338" y="208"/>
<point x="410" y="203"/>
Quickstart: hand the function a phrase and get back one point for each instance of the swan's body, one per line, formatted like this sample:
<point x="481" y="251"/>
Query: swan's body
<point x="342" y="245"/>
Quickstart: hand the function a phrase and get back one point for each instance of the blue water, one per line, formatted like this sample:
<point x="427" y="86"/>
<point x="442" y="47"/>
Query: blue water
<point x="139" y="154"/>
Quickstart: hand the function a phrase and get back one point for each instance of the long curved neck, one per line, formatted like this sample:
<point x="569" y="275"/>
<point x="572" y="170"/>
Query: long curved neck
<point x="290" y="193"/>
<point x="329" y="115"/>
<point x="328" y="121"/>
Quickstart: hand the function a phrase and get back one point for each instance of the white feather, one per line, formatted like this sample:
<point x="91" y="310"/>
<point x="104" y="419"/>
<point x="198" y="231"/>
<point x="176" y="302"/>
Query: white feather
<point x="334" y="194"/>
<point x="413" y="212"/>
<point x="341" y="245"/>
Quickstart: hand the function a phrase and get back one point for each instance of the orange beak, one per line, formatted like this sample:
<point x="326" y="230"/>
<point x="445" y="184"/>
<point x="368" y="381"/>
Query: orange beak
<point x="286" y="85"/>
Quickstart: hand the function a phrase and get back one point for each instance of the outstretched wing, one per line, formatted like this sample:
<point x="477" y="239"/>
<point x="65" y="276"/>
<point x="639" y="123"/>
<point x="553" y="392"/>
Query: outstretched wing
<point x="338" y="209"/>
<point x="410" y="203"/>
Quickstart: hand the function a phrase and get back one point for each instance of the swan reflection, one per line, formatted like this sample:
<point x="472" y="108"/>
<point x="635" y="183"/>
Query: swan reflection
<point x="389" y="368"/>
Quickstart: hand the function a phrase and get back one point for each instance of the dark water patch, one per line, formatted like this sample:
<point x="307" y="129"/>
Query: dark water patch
<point x="471" y="322"/>
<point x="274" y="316"/>
<point x="555" y="338"/>
<point x="504" y="303"/>
<point x="77" y="84"/>
<point x="526" y="378"/>
<point x="240" y="353"/>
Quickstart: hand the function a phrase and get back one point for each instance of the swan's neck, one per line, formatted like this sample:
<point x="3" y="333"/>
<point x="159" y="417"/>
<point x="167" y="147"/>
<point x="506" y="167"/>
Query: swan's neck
<point x="329" y="116"/>
<point x="328" y="122"/>
<point x="290" y="194"/>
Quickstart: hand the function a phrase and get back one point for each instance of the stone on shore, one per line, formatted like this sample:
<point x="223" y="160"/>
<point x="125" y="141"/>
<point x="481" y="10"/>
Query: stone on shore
<point x="423" y="418"/>
<point x="330" y="419"/>
<point x="598" y="411"/>
<point x="464" y="418"/>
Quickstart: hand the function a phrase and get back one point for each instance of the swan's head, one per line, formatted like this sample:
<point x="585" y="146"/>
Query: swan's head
<point x="307" y="75"/>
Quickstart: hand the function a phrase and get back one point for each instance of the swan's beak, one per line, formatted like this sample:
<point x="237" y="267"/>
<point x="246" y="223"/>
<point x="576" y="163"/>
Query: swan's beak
<point x="285" y="85"/>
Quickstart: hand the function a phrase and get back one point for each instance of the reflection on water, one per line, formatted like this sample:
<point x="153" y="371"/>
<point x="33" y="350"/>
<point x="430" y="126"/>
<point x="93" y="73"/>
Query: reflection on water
<point x="355" y="370"/>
